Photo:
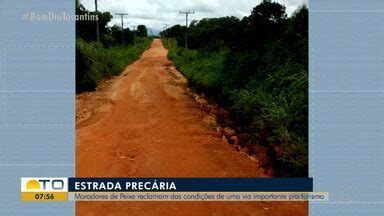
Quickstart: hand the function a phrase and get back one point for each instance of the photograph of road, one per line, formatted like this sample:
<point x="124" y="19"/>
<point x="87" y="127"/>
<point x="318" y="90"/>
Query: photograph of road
<point x="223" y="96"/>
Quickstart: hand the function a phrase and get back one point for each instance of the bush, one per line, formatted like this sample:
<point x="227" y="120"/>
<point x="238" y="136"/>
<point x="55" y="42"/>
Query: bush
<point x="201" y="68"/>
<point x="94" y="62"/>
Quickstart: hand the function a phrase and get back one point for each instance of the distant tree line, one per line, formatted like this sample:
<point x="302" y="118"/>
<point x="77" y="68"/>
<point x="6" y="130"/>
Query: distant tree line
<point x="258" y="67"/>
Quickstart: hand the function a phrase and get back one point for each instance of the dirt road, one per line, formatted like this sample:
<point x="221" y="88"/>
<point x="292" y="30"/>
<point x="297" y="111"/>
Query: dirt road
<point x="144" y="124"/>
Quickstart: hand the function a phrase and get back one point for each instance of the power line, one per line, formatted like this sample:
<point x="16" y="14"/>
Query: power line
<point x="186" y="24"/>
<point x="122" y="25"/>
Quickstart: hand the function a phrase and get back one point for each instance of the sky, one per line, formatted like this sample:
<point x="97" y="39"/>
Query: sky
<point x="156" y="14"/>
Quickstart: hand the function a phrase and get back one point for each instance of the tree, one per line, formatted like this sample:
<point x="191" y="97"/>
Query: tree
<point x="221" y="32"/>
<point x="266" y="23"/>
<point x="87" y="28"/>
<point x="142" y="31"/>
<point x="268" y="12"/>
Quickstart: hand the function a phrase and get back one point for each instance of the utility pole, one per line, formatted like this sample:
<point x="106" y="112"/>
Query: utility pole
<point x="133" y="29"/>
<point x="165" y="29"/>
<point x="97" y="23"/>
<point x="186" y="25"/>
<point x="122" y="25"/>
<point x="165" y="34"/>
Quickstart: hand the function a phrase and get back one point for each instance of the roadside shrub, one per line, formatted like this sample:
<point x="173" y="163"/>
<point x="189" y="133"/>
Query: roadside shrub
<point x="201" y="68"/>
<point x="95" y="62"/>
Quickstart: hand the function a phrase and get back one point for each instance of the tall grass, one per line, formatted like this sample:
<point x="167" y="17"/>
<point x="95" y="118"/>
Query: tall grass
<point x="269" y="102"/>
<point x="94" y="62"/>
<point x="201" y="68"/>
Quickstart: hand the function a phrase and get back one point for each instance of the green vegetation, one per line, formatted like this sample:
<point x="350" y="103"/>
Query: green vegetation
<point x="257" y="67"/>
<point x="201" y="68"/>
<point x="96" y="60"/>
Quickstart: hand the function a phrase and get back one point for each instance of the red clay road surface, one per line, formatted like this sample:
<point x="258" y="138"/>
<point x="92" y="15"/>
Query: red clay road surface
<point x="148" y="126"/>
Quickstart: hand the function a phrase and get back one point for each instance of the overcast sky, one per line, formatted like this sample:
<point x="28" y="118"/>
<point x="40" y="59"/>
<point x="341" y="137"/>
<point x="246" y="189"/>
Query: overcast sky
<point x="156" y="13"/>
